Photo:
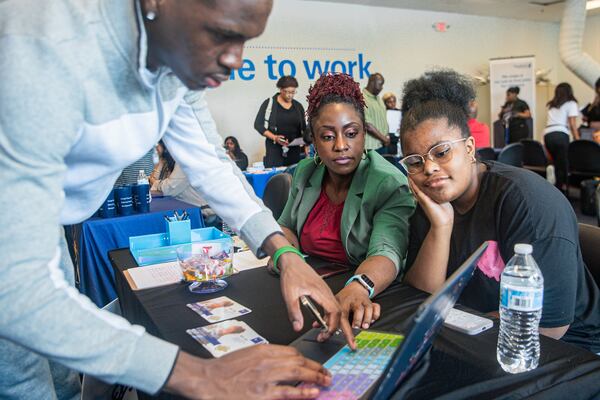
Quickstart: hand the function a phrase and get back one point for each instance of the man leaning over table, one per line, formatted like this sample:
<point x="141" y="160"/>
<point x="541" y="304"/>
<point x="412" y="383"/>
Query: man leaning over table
<point x="87" y="87"/>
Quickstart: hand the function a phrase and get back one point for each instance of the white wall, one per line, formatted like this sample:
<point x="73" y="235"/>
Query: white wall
<point x="400" y="43"/>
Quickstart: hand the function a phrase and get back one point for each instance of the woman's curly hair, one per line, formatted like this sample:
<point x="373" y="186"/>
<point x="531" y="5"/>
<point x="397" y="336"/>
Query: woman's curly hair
<point x="437" y="94"/>
<point x="334" y="88"/>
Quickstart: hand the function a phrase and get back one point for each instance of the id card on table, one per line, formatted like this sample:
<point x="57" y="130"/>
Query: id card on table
<point x="219" y="309"/>
<point x="227" y="336"/>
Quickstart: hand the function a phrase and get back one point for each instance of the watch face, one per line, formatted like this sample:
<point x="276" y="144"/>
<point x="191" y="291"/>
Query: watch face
<point x="366" y="279"/>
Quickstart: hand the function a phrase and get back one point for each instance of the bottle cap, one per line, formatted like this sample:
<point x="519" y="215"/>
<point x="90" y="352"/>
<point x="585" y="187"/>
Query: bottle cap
<point x="522" y="248"/>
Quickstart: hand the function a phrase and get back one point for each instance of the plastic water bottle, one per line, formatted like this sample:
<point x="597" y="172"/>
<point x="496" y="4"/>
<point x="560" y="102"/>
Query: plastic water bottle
<point x="521" y="298"/>
<point x="142" y="179"/>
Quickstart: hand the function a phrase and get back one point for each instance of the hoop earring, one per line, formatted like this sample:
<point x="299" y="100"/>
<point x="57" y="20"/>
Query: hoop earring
<point x="150" y="15"/>
<point x="364" y="155"/>
<point x="318" y="161"/>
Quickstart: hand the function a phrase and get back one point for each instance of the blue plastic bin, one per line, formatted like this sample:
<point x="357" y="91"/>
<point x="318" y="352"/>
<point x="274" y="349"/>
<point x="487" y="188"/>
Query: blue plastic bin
<point x="154" y="249"/>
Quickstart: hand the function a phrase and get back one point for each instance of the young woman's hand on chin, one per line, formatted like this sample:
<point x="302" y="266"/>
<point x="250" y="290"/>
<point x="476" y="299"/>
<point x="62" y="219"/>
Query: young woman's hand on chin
<point x="441" y="216"/>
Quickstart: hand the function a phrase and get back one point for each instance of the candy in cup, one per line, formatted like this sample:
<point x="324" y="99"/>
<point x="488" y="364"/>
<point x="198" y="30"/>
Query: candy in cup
<point x="205" y="265"/>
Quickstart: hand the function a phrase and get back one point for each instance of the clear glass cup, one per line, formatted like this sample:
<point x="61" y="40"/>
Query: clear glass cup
<point x="206" y="265"/>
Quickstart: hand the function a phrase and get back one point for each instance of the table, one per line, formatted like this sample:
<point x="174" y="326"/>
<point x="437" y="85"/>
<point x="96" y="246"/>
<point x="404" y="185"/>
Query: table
<point x="461" y="366"/>
<point x="258" y="181"/>
<point x="96" y="236"/>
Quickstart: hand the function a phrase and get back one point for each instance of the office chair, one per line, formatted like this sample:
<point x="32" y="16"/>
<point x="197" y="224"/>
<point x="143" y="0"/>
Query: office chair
<point x="277" y="192"/>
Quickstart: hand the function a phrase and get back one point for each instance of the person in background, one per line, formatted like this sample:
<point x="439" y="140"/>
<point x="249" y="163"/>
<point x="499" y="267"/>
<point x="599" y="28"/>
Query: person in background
<point x="347" y="205"/>
<point x="479" y="130"/>
<point x="375" y="115"/>
<point x="591" y="112"/>
<point x="70" y="124"/>
<point x="394" y="116"/>
<point x="232" y="147"/>
<point x="463" y="202"/>
<point x="514" y="115"/>
<point x="561" y="128"/>
<point x="168" y="179"/>
<point x="281" y="120"/>
<point x="165" y="165"/>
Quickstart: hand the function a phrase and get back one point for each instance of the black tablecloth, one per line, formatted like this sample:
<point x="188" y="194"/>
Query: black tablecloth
<point x="461" y="366"/>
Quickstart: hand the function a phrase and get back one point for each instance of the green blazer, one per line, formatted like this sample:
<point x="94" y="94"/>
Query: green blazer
<point x="376" y="211"/>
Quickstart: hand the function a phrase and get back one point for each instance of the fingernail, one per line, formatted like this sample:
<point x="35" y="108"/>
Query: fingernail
<point x="356" y="327"/>
<point x="297" y="325"/>
<point x="365" y="325"/>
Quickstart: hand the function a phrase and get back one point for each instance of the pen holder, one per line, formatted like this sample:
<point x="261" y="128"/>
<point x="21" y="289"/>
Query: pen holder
<point x="179" y="232"/>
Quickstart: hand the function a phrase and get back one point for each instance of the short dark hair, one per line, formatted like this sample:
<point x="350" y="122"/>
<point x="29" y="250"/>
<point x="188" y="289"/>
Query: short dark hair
<point x="374" y="75"/>
<point x="334" y="88"/>
<point x="513" y="89"/>
<point x="287" y="81"/>
<point x="598" y="83"/>
<point x="440" y="94"/>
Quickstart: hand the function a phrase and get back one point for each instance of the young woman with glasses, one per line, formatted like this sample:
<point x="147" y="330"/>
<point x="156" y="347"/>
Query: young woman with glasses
<point x="463" y="202"/>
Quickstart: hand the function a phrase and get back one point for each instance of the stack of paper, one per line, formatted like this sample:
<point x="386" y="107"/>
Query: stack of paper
<point x="154" y="275"/>
<point x="245" y="260"/>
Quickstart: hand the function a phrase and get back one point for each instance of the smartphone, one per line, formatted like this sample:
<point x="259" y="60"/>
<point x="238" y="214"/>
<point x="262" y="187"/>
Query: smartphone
<point x="331" y="269"/>
<point x="468" y="323"/>
<point x="313" y="310"/>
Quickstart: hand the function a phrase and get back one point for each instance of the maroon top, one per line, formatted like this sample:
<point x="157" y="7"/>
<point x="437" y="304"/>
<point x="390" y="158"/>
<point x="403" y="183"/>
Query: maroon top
<point x="321" y="233"/>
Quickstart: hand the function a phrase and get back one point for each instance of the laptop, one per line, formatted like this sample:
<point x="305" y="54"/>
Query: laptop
<point x="383" y="360"/>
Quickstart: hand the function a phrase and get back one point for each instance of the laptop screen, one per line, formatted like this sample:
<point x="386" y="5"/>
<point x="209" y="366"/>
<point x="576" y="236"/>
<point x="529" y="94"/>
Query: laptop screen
<point x="427" y="322"/>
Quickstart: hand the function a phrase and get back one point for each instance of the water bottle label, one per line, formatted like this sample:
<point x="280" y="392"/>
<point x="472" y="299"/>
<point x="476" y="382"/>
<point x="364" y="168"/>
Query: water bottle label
<point x="521" y="298"/>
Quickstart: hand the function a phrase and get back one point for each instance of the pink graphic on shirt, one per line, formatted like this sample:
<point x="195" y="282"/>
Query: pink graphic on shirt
<point x="490" y="262"/>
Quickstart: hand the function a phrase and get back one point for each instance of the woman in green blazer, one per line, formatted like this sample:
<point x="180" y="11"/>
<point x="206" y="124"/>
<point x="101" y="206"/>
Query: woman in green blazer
<point x="347" y="205"/>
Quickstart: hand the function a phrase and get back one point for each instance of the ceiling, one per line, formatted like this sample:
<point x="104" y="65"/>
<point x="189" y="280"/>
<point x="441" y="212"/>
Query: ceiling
<point x="536" y="10"/>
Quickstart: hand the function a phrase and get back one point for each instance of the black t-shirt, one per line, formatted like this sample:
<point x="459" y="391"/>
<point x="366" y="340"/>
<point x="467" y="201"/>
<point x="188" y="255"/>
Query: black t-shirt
<point x="591" y="113"/>
<point x="518" y="206"/>
<point x="520" y="106"/>
<point x="289" y="122"/>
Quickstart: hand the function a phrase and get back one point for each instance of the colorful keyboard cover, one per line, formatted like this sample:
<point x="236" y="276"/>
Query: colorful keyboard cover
<point x="355" y="371"/>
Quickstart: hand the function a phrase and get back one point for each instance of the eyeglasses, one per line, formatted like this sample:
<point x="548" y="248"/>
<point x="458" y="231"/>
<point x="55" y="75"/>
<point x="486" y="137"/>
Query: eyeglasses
<point x="292" y="92"/>
<point x="440" y="154"/>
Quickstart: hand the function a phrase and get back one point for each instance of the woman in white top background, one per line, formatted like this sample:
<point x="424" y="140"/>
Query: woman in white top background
<point x="561" y="128"/>
<point x="168" y="179"/>
<point x="394" y="117"/>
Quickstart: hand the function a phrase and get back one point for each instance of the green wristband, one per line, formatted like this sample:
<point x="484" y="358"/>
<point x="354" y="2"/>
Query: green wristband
<point x="282" y="250"/>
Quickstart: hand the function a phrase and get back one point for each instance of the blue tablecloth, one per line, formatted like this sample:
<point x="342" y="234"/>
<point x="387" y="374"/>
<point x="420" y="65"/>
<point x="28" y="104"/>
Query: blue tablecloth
<point x="259" y="181"/>
<point x="98" y="236"/>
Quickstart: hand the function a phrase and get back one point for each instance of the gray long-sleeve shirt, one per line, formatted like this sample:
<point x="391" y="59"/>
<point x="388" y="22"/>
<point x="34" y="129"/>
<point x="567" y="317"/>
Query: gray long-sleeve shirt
<point x="77" y="104"/>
